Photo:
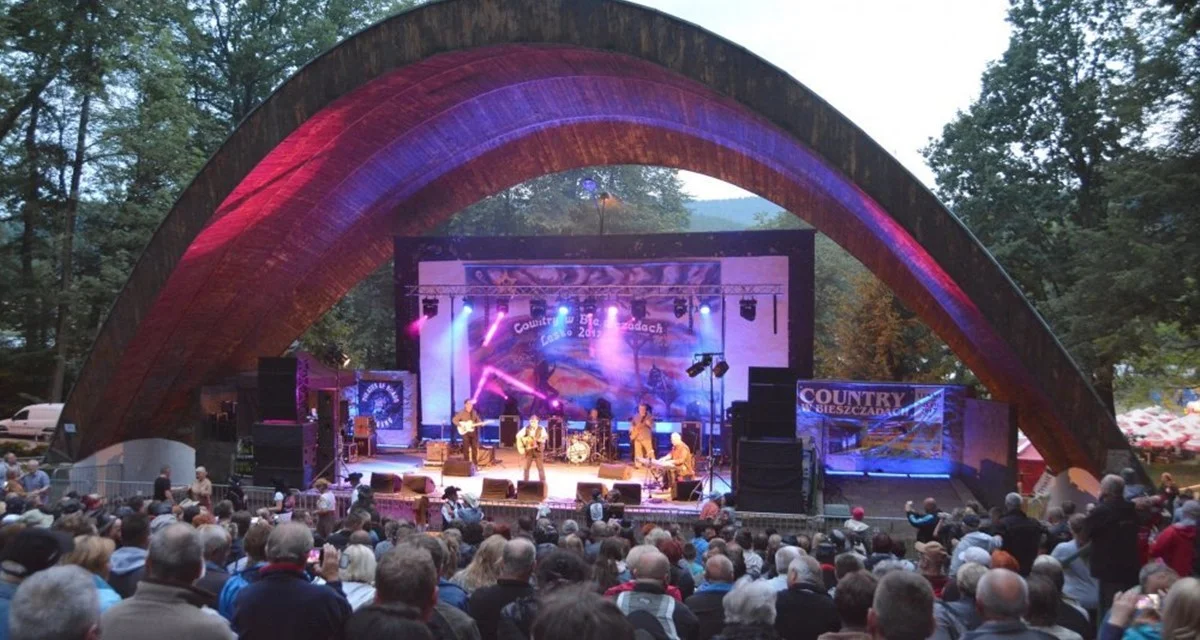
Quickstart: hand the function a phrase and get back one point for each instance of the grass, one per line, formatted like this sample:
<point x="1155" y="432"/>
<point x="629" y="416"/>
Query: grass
<point x="1186" y="473"/>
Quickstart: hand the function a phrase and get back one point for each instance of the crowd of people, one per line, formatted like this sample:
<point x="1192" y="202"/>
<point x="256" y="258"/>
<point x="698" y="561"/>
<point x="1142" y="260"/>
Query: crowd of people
<point x="149" y="568"/>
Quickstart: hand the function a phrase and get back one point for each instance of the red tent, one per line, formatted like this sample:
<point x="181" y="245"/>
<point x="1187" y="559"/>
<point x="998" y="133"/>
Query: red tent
<point x="1030" y="466"/>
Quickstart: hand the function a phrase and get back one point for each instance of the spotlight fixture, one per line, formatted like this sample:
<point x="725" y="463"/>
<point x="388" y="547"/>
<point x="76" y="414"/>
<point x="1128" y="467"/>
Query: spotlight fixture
<point x="637" y="309"/>
<point x="699" y="366"/>
<point x="429" y="307"/>
<point x="589" y="184"/>
<point x="748" y="309"/>
<point x="502" y="305"/>
<point x="537" y="308"/>
<point x="720" y="368"/>
<point x="564" y="306"/>
<point x="681" y="307"/>
<point x="613" y="310"/>
<point x="588" y="308"/>
<point x="705" y="309"/>
<point x="468" y="304"/>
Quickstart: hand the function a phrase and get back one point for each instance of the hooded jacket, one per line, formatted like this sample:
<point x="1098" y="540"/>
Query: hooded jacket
<point x="128" y="567"/>
<point x="976" y="539"/>
<point x="1176" y="545"/>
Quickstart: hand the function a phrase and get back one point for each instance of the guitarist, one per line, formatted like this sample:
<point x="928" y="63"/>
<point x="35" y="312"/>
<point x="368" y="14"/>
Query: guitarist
<point x="641" y="434"/>
<point x="530" y="442"/>
<point x="467" y="422"/>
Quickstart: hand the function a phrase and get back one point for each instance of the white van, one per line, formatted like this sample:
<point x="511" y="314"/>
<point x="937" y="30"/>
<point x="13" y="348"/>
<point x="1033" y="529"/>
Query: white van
<point x="36" y="420"/>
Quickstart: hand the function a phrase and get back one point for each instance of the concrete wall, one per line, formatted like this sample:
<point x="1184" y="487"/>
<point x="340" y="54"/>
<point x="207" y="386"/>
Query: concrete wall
<point x="141" y="460"/>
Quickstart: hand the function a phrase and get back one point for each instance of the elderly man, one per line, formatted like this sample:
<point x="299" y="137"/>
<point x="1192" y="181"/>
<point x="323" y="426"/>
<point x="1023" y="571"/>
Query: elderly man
<point x="1067" y="613"/>
<point x="972" y="538"/>
<point x="282" y="603"/>
<point x="651" y="571"/>
<point x="35" y="482"/>
<point x="855" y="594"/>
<point x="1022" y="535"/>
<point x="926" y="522"/>
<point x="516" y="568"/>
<point x="29" y="552"/>
<point x="75" y="610"/>
<point x="407" y="575"/>
<point x="749" y="611"/>
<point x="162" y="606"/>
<point x="956" y="617"/>
<point x="902" y="608"/>
<point x="216" y="541"/>
<point x="805" y="610"/>
<point x="1002" y="599"/>
<point x="784" y="557"/>
<point x="706" y="602"/>
<point x="1112" y="527"/>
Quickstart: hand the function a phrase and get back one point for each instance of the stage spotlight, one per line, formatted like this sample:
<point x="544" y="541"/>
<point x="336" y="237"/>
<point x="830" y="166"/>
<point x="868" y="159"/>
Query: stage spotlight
<point x="563" y="307"/>
<point x="720" y="368"/>
<point x="502" y="305"/>
<point x="705" y="309"/>
<point x="589" y="184"/>
<point x="429" y="307"/>
<point x="699" y="366"/>
<point x="637" y="309"/>
<point x="537" y="308"/>
<point x="613" y="310"/>
<point x="749" y="308"/>
<point x="681" y="307"/>
<point x="468" y="304"/>
<point x="588" y="308"/>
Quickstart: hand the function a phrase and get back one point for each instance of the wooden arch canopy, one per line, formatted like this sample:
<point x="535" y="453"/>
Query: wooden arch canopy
<point x="418" y="116"/>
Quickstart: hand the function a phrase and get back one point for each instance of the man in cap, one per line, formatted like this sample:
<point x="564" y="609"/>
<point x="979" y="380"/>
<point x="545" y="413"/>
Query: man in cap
<point x="32" y="550"/>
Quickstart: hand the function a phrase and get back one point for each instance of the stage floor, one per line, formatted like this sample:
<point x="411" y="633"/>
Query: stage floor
<point x="561" y="477"/>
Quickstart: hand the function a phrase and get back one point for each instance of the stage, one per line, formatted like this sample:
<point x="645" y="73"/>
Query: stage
<point x="561" y="477"/>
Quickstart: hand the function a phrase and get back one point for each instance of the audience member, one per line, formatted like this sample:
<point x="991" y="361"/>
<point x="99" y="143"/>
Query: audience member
<point x="560" y="569"/>
<point x="59" y="603"/>
<point x="853" y="598"/>
<point x="354" y="521"/>
<point x="282" y="603"/>
<point x="1176" y="544"/>
<point x="1002" y="599"/>
<point x="1043" y="608"/>
<point x="972" y="538"/>
<point x="805" y="610"/>
<point x="784" y="557"/>
<point x="651" y="571"/>
<point x="31" y="550"/>
<point x="749" y="612"/>
<point x="955" y="618"/>
<point x="1057" y="529"/>
<point x="1176" y="617"/>
<point x="387" y="621"/>
<point x="580" y="614"/>
<point x="516" y="567"/>
<point x="1079" y="583"/>
<point x="216" y="542"/>
<point x="407" y="577"/>
<point x="163" y="606"/>
<point x="1021" y="535"/>
<point x="358" y="576"/>
<point x="902" y="608"/>
<point x="484" y="569"/>
<point x="925" y="522"/>
<point x="1112" y="529"/>
<point x="129" y="562"/>
<point x="932" y="565"/>
<point x="1069" y="614"/>
<point x="256" y="559"/>
<point x="706" y="603"/>
<point x="93" y="554"/>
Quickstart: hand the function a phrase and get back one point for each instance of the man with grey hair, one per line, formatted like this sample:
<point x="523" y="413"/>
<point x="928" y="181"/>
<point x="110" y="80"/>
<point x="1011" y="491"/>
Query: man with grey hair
<point x="516" y="568"/>
<point x="956" y="617"/>
<point x="749" y="610"/>
<point x="805" y="610"/>
<point x="163" y="605"/>
<point x="1068" y="614"/>
<point x="1002" y="599"/>
<point x="902" y="608"/>
<point x="784" y="557"/>
<point x="1021" y="535"/>
<point x="216" y="541"/>
<point x="60" y="603"/>
<point x="649" y="597"/>
<point x="282" y="603"/>
<point x="1112" y="529"/>
<point x="706" y="602"/>
<point x="449" y="619"/>
<point x="1176" y="545"/>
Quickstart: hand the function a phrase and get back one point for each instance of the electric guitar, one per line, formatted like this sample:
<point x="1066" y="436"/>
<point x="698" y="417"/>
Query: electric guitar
<point x="468" y="426"/>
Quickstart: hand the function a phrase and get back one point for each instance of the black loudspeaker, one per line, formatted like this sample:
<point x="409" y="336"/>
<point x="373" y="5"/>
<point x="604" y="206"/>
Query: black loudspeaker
<point x="687" y="490"/>
<point x="277" y="388"/>
<point x="509" y="426"/>
<point x="413" y="483"/>
<point x="691" y="436"/>
<point x="603" y="409"/>
<point x="497" y="489"/>
<point x="773" y="475"/>
<point x="772" y="403"/>
<point x="384" y="482"/>
<point x="287" y="451"/>
<point x="615" y="471"/>
<point x="631" y="492"/>
<point x="459" y="468"/>
<point x="583" y="491"/>
<point x="531" y="490"/>
<point x="325" y="444"/>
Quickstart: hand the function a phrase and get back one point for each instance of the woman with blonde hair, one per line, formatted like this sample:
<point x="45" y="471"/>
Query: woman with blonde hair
<point x="1181" y="611"/>
<point x="358" y="578"/>
<point x="484" y="569"/>
<point x="93" y="554"/>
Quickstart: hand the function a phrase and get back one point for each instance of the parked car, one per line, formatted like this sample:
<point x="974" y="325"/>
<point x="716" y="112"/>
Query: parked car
<point x="36" y="420"/>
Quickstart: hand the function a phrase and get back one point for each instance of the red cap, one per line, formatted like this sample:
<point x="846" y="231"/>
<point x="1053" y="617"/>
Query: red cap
<point x="858" y="513"/>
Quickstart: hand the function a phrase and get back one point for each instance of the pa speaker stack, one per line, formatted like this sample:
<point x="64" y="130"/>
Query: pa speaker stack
<point x="774" y="475"/>
<point x="285" y="451"/>
<point x="771" y="400"/>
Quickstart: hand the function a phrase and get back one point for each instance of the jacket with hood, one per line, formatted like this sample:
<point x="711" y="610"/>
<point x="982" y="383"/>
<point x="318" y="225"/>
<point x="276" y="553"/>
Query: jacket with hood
<point x="976" y="539"/>
<point x="1176" y="545"/>
<point x="128" y="567"/>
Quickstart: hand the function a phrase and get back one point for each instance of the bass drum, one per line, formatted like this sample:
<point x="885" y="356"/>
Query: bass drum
<point x="579" y="451"/>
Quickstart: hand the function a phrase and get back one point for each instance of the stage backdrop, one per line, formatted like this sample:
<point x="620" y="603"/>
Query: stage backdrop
<point x="579" y="359"/>
<point x="882" y="427"/>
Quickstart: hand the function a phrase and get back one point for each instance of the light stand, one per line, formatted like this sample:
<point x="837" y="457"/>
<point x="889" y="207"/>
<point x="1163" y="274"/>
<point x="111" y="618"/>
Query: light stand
<point x="712" y="361"/>
<point x="340" y="360"/>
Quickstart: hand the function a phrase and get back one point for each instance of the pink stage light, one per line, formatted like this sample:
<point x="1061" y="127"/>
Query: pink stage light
<point x="555" y="403"/>
<point x="487" y="339"/>
<point x="612" y="310"/>
<point x="489" y="371"/>
<point x="414" y="327"/>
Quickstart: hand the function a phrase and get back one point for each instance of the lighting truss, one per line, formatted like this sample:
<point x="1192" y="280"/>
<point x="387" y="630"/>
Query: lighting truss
<point x="600" y="292"/>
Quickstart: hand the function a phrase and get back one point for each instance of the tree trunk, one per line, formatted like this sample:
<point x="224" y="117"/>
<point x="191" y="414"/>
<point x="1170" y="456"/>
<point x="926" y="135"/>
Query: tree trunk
<point x="62" y="326"/>
<point x="29" y="215"/>
<point x="1102" y="380"/>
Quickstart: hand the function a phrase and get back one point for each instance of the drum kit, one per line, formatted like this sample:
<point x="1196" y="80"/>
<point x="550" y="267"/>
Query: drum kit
<point x="587" y="448"/>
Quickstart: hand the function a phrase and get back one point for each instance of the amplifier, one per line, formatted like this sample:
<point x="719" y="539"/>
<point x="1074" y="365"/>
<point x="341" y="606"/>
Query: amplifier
<point x="436" y="453"/>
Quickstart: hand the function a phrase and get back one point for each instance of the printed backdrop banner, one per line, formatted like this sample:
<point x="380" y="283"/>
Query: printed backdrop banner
<point x="384" y="401"/>
<point x="580" y="360"/>
<point x="882" y="427"/>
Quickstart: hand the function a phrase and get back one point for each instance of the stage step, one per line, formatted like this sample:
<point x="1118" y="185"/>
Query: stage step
<point x="885" y="497"/>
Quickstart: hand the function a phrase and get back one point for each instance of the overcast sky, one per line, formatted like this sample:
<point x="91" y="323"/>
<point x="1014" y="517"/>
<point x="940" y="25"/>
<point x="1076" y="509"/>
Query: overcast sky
<point x="899" y="69"/>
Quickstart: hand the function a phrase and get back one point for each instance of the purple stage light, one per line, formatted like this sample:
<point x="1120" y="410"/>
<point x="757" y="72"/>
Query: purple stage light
<point x="612" y="310"/>
<point x="705" y="309"/>
<point x="487" y="339"/>
<point x="555" y="403"/>
<point x="563" y="310"/>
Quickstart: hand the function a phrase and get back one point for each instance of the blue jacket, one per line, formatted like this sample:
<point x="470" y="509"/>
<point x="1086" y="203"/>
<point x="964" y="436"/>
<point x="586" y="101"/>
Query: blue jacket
<point x="233" y="586"/>
<point x="108" y="595"/>
<point x="452" y="594"/>
<point x="7" y="590"/>
<point x="282" y="603"/>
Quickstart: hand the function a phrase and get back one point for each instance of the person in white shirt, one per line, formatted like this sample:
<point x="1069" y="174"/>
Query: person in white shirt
<point x="327" y="511"/>
<point x="530" y="442"/>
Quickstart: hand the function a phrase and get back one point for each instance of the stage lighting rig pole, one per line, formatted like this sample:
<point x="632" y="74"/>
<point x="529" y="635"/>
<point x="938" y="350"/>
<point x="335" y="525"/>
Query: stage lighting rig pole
<point x="709" y="361"/>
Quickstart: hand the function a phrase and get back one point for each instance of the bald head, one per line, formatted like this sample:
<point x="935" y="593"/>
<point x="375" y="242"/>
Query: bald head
<point x="652" y="565"/>
<point x="718" y="569"/>
<point x="1002" y="595"/>
<point x="930" y="505"/>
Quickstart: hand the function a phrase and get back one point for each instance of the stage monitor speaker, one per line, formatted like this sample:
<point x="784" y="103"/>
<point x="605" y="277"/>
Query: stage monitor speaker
<point x="287" y="451"/>
<point x="631" y="492"/>
<point x="459" y="468"/>
<point x="497" y="489"/>
<point x="615" y="471"/>
<point x="413" y="483"/>
<point x="531" y="490"/>
<point x="487" y="456"/>
<point x="509" y="426"/>
<point x="277" y="388"/>
<point x="687" y="490"/>
<point x="384" y="482"/>
<point x="584" y="490"/>
<point x="774" y="475"/>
